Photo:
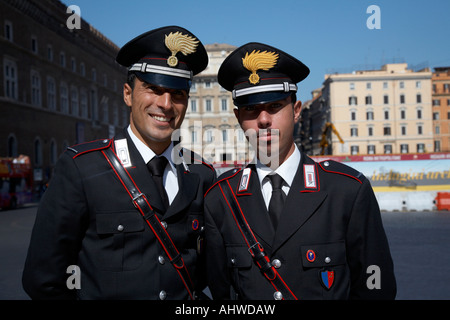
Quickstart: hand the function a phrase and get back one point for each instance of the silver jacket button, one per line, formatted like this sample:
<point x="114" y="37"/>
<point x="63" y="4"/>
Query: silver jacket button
<point x="164" y="224"/>
<point x="327" y="260"/>
<point x="162" y="295"/>
<point x="120" y="228"/>
<point x="161" y="260"/>
<point x="278" y="295"/>
<point x="276" y="263"/>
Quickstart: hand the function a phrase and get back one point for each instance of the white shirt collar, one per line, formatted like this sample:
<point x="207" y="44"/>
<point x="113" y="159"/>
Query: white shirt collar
<point x="286" y="169"/>
<point x="147" y="153"/>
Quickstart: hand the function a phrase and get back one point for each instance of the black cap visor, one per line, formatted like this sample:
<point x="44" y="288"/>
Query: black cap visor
<point x="260" y="98"/>
<point x="165" y="81"/>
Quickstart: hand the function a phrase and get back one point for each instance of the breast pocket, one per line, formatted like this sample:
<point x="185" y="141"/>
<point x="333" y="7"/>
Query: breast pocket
<point x="325" y="265"/>
<point x="121" y="236"/>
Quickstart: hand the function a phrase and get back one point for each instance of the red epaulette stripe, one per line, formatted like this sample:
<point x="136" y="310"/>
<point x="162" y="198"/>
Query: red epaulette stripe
<point x="221" y="181"/>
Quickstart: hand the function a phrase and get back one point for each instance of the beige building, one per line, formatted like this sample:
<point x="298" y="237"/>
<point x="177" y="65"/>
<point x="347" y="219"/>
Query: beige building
<point x="379" y="111"/>
<point x="210" y="127"/>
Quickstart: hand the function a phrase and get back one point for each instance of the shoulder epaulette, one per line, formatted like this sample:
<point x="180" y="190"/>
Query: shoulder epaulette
<point x="224" y="176"/>
<point x="86" y="147"/>
<point x="340" y="168"/>
<point x="194" y="158"/>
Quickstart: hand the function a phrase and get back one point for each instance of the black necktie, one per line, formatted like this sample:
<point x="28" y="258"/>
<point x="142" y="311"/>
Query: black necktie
<point x="156" y="167"/>
<point x="276" y="203"/>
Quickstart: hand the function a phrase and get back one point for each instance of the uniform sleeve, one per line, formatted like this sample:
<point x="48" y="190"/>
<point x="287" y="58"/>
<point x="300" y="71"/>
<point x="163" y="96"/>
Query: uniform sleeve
<point x="217" y="273"/>
<point x="56" y="236"/>
<point x="370" y="261"/>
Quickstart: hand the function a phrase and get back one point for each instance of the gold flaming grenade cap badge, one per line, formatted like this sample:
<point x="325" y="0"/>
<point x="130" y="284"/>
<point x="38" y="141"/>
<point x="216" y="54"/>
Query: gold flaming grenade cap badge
<point x="258" y="60"/>
<point x="178" y="42"/>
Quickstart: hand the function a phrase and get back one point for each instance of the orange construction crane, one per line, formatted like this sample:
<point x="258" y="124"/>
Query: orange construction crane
<point x="324" y="141"/>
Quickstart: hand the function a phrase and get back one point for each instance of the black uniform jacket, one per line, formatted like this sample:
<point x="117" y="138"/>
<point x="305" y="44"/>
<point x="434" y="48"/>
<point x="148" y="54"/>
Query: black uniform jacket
<point x="329" y="244"/>
<point x="87" y="219"/>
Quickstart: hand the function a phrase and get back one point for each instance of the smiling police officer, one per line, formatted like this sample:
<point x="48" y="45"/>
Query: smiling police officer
<point x="132" y="226"/>
<point x="286" y="227"/>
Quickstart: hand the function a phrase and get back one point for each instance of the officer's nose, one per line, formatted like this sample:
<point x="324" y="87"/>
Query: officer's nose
<point x="164" y="100"/>
<point x="264" y="120"/>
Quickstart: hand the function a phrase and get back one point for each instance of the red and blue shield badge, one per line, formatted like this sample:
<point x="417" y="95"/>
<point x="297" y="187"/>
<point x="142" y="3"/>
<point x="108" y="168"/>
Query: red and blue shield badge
<point x="327" y="279"/>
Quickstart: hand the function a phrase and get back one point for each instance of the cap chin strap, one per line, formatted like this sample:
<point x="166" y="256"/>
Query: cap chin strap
<point x="150" y="68"/>
<point x="284" y="87"/>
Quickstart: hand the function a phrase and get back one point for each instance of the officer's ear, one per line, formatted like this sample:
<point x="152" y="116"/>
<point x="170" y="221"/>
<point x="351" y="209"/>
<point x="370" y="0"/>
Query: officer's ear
<point x="127" y="94"/>
<point x="297" y="110"/>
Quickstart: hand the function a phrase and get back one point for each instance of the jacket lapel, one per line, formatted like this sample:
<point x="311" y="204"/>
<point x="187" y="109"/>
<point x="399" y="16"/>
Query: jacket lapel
<point x="188" y="186"/>
<point x="252" y="204"/>
<point x="141" y="175"/>
<point x="302" y="201"/>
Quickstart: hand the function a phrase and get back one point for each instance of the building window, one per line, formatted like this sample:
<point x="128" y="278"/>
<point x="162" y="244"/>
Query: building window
<point x="354" y="150"/>
<point x="387" y="148"/>
<point x="403" y="130"/>
<point x="208" y="103"/>
<point x="82" y="69"/>
<point x="353" y="132"/>
<point x="385" y="85"/>
<point x="209" y="135"/>
<point x="53" y="152"/>
<point x="84" y="104"/>
<point x="352" y="86"/>
<point x="387" y="131"/>
<point x="404" y="148"/>
<point x="437" y="146"/>
<point x="402" y="85"/>
<point x="353" y="101"/>
<point x="418" y="84"/>
<point x="49" y="53"/>
<point x="10" y="79"/>
<point x="402" y="98"/>
<point x="369" y="115"/>
<point x="436" y="102"/>
<point x="368" y="85"/>
<point x="370" y="131"/>
<point x="224" y="104"/>
<point x="369" y="100"/>
<point x="403" y="114"/>
<point x="446" y="87"/>
<point x="419" y="129"/>
<point x="386" y="114"/>
<point x="9" y="31"/>
<point x="353" y="115"/>
<point x="74" y="101"/>
<point x="73" y="64"/>
<point x="435" y="115"/>
<point x="370" y="149"/>
<point x="419" y="113"/>
<point x="386" y="99"/>
<point x="62" y="59"/>
<point x="420" y="148"/>
<point x="193" y="106"/>
<point x="94" y="74"/>
<point x="64" y="98"/>
<point x="193" y="87"/>
<point x="51" y="94"/>
<point x="437" y="130"/>
<point x="34" y="45"/>
<point x="37" y="152"/>
<point x="12" y="146"/>
<point x="419" y="98"/>
<point x="224" y="135"/>
<point x="207" y="84"/>
<point x="35" y="88"/>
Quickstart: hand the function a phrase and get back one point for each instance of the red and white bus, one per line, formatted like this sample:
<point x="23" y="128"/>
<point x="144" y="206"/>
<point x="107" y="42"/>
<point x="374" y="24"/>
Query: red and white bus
<point x="16" y="180"/>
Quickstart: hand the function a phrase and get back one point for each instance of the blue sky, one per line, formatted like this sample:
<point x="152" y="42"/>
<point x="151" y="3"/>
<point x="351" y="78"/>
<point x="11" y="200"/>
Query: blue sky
<point x="327" y="35"/>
